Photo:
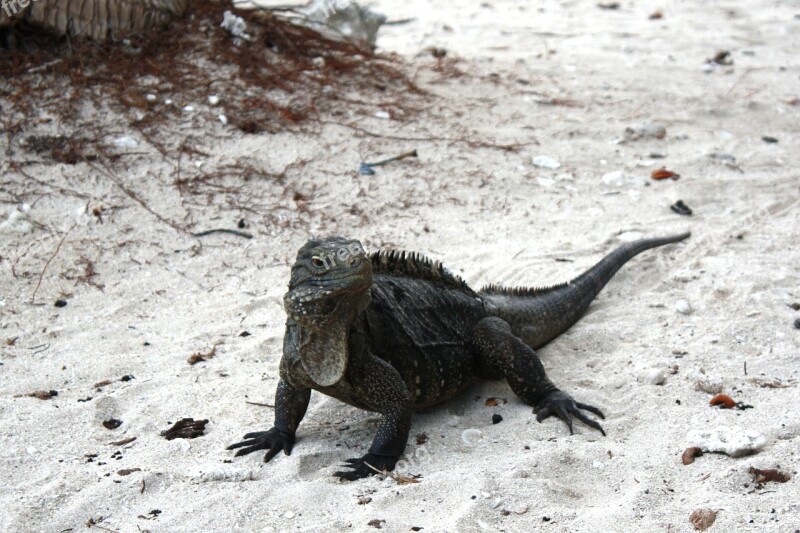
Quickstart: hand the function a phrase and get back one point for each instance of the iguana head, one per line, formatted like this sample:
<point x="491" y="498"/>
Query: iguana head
<point x="328" y="287"/>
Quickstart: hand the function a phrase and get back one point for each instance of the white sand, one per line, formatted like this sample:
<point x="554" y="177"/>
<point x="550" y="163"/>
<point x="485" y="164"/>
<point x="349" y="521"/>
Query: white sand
<point x="491" y="216"/>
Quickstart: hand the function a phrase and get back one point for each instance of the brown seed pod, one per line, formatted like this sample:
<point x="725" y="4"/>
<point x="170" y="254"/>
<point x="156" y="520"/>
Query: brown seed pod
<point x="723" y="400"/>
<point x="663" y="173"/>
<point x="689" y="454"/>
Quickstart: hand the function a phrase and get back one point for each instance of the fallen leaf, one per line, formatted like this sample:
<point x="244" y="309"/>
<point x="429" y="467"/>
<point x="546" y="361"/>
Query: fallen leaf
<point x="663" y="173"/>
<point x="43" y="394"/>
<point x="185" y="428"/>
<point x="770" y="474"/>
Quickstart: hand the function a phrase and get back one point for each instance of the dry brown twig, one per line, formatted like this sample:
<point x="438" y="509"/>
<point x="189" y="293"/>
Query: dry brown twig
<point x="47" y="264"/>
<point x="400" y="478"/>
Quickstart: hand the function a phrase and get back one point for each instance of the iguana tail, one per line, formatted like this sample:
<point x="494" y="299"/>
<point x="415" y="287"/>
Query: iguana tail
<point x="539" y="315"/>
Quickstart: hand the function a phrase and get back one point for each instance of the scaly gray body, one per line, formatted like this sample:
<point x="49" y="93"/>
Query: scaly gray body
<point x="394" y="332"/>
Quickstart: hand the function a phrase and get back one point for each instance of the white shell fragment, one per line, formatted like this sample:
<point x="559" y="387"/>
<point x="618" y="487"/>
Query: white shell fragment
<point x="730" y="440"/>
<point x="655" y="377"/>
<point x="126" y="142"/>
<point x="543" y="161"/>
<point x="471" y="436"/>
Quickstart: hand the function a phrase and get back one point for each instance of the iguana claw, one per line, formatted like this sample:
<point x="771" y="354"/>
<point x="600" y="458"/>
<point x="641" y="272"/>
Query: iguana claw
<point x="273" y="440"/>
<point x="361" y="466"/>
<point x="562" y="405"/>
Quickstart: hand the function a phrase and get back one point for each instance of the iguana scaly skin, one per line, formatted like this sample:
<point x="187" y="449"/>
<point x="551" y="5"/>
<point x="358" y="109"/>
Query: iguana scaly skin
<point x="394" y="332"/>
<point x="97" y="19"/>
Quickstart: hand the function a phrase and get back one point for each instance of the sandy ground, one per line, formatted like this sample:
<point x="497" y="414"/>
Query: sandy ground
<point x="563" y="79"/>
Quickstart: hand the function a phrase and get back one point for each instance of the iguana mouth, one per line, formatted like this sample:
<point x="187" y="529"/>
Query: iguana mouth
<point x="316" y="299"/>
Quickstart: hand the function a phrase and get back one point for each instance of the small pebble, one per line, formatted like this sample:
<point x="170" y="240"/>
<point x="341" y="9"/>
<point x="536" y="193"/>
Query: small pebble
<point x="151" y="98"/>
<point x="702" y="519"/>
<point x="213" y="99"/>
<point x="188" y="109"/>
<point x="797" y="323"/>
<point x="63" y="303"/>
<point x="453" y="421"/>
<point x="126" y="142"/>
<point x="681" y="208"/>
<point x="683" y="307"/>
<point x="722" y="57"/>
<point x="223" y="119"/>
<point x="655" y="377"/>
<point x="616" y="178"/>
<point x="288" y="514"/>
<point x="496" y="419"/>
<point x="769" y="140"/>
<point x="543" y="161"/>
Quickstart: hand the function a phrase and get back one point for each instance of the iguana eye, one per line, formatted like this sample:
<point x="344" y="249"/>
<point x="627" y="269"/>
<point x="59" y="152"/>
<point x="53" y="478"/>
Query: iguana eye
<point x="317" y="262"/>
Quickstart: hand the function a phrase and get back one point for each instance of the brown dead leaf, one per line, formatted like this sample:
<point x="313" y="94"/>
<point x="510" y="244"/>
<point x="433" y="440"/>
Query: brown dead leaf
<point x="39" y="394"/>
<point x="186" y="428"/>
<point x="199" y="357"/>
<point x="663" y="174"/>
<point x="770" y="474"/>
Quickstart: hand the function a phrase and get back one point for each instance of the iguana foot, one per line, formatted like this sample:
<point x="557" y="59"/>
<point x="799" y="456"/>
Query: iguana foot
<point x="562" y="405"/>
<point x="361" y="470"/>
<point x="273" y="440"/>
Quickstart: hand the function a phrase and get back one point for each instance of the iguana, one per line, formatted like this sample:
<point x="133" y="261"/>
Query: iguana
<point x="92" y="18"/>
<point x="393" y="332"/>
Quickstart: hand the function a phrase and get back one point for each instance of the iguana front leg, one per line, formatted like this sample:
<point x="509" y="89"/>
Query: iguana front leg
<point x="379" y="386"/>
<point x="501" y="354"/>
<point x="290" y="407"/>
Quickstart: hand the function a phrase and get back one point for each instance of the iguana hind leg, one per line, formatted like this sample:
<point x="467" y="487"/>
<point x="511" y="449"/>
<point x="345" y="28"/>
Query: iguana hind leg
<point x="501" y="354"/>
